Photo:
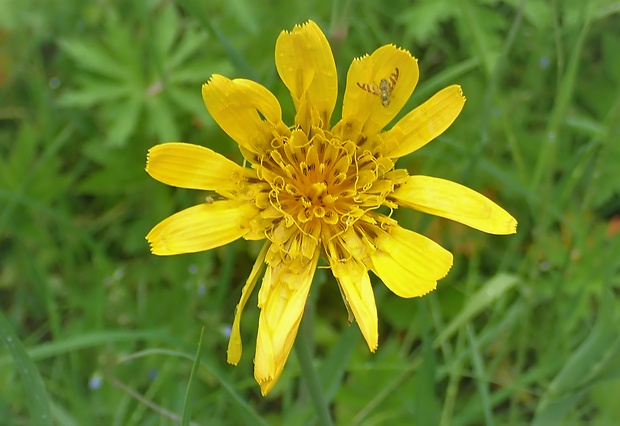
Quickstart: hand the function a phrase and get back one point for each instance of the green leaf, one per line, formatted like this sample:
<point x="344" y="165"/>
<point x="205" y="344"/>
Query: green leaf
<point x="123" y="117"/>
<point x="423" y="20"/>
<point x="92" y="92"/>
<point x="189" y="100"/>
<point x="93" y="57"/>
<point x="166" y="29"/>
<point x="190" y="45"/>
<point x="161" y="119"/>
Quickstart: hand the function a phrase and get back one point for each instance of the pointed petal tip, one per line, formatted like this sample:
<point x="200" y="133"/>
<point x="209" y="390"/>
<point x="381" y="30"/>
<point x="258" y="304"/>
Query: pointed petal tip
<point x="402" y="49"/>
<point x="266" y="384"/>
<point x="508" y="227"/>
<point x="150" y="245"/>
<point x="512" y="226"/>
<point x="233" y="358"/>
<point x="214" y="79"/>
<point x="263" y="390"/>
<point x="359" y="58"/>
<point x="300" y="27"/>
<point x="156" y="248"/>
<point x="149" y="240"/>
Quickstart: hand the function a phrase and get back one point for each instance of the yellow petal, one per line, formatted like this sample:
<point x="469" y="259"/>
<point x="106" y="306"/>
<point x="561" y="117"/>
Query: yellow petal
<point x="196" y="167"/>
<point x="245" y="110"/>
<point x="235" y="346"/>
<point x="280" y="317"/>
<point x="408" y="263"/>
<point x="201" y="227"/>
<point x="367" y="112"/>
<point x="424" y="123"/>
<point x="354" y="282"/>
<point x="456" y="202"/>
<point x="306" y="66"/>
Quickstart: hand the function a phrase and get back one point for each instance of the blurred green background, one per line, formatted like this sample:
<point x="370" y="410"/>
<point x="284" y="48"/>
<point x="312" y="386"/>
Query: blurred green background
<point x="94" y="330"/>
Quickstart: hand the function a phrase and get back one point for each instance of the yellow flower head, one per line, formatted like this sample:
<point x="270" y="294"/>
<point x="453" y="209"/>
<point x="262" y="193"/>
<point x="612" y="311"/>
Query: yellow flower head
<point x="314" y="189"/>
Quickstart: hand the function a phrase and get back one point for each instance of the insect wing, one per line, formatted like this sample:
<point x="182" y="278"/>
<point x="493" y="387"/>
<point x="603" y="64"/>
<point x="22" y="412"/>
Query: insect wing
<point x="370" y="88"/>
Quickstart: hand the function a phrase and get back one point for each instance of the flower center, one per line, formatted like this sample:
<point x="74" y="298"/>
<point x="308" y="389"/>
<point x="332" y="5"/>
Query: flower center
<point x="322" y="184"/>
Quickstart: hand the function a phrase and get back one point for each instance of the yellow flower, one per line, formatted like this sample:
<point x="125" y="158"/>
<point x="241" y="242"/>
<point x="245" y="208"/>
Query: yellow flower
<point x="314" y="189"/>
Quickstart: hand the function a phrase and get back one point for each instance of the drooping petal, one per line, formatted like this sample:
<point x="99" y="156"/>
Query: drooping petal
<point x="363" y="109"/>
<point x="282" y="307"/>
<point x="201" y="227"/>
<point x="244" y="109"/>
<point x="195" y="167"/>
<point x="453" y="201"/>
<point x="424" y="123"/>
<point x="409" y="263"/>
<point x="354" y="282"/>
<point x="235" y="346"/>
<point x="306" y="66"/>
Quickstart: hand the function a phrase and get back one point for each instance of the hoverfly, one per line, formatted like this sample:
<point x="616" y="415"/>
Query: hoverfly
<point x="384" y="89"/>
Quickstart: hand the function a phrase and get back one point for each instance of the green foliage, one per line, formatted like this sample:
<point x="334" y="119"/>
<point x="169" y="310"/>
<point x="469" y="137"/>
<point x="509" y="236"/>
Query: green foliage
<point x="140" y="76"/>
<point x="96" y="331"/>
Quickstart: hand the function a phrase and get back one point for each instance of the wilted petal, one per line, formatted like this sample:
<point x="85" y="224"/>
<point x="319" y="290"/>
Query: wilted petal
<point x="235" y="346"/>
<point x="282" y="300"/>
<point x="354" y="283"/>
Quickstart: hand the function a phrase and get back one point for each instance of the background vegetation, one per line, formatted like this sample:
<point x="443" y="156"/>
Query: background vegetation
<point x="96" y="331"/>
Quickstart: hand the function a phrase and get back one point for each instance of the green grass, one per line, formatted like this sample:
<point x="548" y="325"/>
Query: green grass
<point x="94" y="330"/>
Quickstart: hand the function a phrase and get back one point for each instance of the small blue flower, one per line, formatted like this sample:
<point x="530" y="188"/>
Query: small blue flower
<point x="95" y="381"/>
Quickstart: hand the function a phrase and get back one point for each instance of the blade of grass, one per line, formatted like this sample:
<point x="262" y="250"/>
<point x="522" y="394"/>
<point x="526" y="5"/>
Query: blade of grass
<point x="38" y="404"/>
<point x="187" y="406"/>
<point x="50" y="151"/>
<point x="481" y="382"/>
<point x="545" y="166"/>
<point x="591" y="361"/>
<point x="490" y="292"/>
<point x="334" y="366"/>
<point x="426" y="405"/>
<point x="247" y="409"/>
<point x="64" y="346"/>
<point x="600" y="348"/>
<point x="455" y="374"/>
<point x="434" y="83"/>
<point x="147" y="402"/>
<point x="484" y="51"/>
<point x="303" y="350"/>
<point x="58" y="347"/>
<point x="236" y="58"/>
<point x="384" y="393"/>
